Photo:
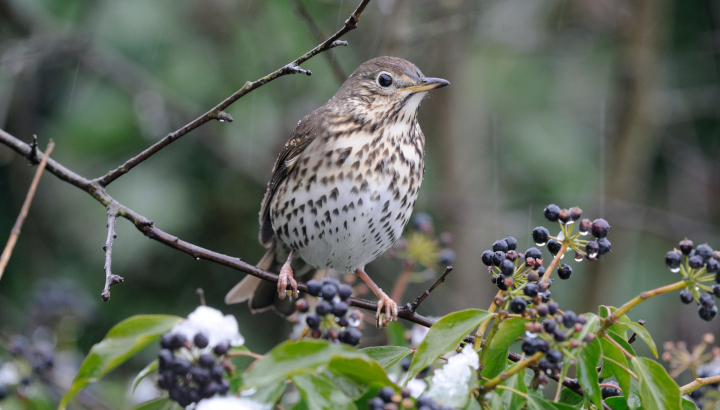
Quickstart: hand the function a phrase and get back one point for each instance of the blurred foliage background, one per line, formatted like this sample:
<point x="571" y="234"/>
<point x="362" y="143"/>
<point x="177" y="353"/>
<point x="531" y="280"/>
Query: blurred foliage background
<point x="612" y="105"/>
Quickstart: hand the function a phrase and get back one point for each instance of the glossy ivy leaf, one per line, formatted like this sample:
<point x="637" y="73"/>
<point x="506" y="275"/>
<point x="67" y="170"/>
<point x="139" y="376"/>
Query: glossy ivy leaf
<point x="587" y="363"/>
<point x="657" y="390"/>
<point x="320" y="394"/>
<point x="568" y="396"/>
<point x="643" y="334"/>
<point x="537" y="402"/>
<point x="161" y="403"/>
<point x="619" y="365"/>
<point x="386" y="356"/>
<point x="122" y="342"/>
<point x="269" y="394"/>
<point x="296" y="357"/>
<point x="444" y="336"/>
<point x="617" y="403"/>
<point x="151" y="367"/>
<point x="508" y="400"/>
<point x="495" y="358"/>
<point x="688" y="405"/>
<point x="473" y="405"/>
<point x="355" y="376"/>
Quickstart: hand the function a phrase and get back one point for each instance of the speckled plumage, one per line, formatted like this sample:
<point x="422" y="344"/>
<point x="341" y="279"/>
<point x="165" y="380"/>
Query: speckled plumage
<point x="345" y="183"/>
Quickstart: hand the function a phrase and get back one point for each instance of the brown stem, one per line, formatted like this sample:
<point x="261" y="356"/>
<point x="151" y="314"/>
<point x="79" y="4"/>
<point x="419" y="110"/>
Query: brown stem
<point x="217" y="111"/>
<point x="15" y="232"/>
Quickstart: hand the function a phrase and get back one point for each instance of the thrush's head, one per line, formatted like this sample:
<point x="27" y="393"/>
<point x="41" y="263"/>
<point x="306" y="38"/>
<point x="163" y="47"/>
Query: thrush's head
<point x="385" y="88"/>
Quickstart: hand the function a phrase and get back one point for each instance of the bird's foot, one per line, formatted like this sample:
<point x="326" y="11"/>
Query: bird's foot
<point x="286" y="276"/>
<point x="391" y="310"/>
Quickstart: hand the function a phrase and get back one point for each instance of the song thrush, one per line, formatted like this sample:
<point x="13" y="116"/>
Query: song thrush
<point x="344" y="185"/>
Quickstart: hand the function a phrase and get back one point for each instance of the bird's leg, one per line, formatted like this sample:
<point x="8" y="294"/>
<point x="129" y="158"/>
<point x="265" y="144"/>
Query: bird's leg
<point x="391" y="308"/>
<point x="286" y="275"/>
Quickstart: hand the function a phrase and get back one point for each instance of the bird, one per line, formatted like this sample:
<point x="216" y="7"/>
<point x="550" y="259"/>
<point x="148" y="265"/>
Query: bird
<point x="344" y="185"/>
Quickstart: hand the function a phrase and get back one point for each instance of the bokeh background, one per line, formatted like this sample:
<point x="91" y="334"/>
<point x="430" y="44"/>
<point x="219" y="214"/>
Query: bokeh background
<point x="612" y="105"/>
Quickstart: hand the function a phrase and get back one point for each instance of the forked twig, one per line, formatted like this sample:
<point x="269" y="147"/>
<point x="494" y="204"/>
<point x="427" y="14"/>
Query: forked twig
<point x="416" y="304"/>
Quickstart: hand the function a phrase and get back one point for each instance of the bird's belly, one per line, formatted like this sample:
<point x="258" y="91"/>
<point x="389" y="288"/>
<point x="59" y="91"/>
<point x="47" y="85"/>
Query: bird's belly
<point x="344" y="220"/>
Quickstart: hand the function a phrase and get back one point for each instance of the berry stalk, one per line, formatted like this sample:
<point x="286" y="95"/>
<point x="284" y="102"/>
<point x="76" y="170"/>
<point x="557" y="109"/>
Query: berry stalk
<point x="511" y="371"/>
<point x="697" y="383"/>
<point x="624" y="309"/>
<point x="554" y="262"/>
<point x="481" y="330"/>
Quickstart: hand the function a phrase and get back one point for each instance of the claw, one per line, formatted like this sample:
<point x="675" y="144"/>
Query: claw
<point x="391" y="311"/>
<point x="286" y="277"/>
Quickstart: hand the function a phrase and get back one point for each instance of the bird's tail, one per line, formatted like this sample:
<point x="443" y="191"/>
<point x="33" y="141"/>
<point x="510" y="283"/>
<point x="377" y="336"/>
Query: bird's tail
<point x="263" y="295"/>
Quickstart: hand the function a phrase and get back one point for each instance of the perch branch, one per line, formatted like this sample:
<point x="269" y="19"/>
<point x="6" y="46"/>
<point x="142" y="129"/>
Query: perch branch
<point x="339" y="73"/>
<point x="15" y="232"/>
<point x="215" y="112"/>
<point x="416" y="303"/>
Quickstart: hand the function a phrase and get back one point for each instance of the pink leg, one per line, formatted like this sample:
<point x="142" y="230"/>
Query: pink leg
<point x="286" y="275"/>
<point x="391" y="309"/>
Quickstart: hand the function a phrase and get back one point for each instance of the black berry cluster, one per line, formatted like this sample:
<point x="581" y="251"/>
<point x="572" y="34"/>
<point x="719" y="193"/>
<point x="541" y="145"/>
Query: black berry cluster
<point x="698" y="265"/>
<point x="608" y="391"/>
<point x="332" y="318"/>
<point x="189" y="370"/>
<point x="592" y="250"/>
<point x="553" y="333"/>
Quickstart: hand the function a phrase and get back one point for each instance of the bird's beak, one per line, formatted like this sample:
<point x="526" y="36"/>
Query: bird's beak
<point x="427" y="84"/>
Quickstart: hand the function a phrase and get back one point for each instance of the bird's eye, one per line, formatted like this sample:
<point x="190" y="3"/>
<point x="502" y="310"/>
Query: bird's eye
<point x="384" y="80"/>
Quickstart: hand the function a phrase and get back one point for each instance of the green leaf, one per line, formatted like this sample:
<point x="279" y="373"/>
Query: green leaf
<point x="269" y="394"/>
<point x="657" y="390"/>
<point x="444" y="336"/>
<point x="123" y="341"/>
<point x="688" y="405"/>
<point x="617" y="403"/>
<point x="151" y="367"/>
<point x="587" y="363"/>
<point x="386" y="356"/>
<point x="622" y="342"/>
<point x="356" y="375"/>
<point x="495" y="356"/>
<point x="161" y="403"/>
<point x="320" y="394"/>
<point x="612" y="352"/>
<point x="296" y="357"/>
<point x="537" y="402"/>
<point x="508" y="400"/>
<point x="473" y="405"/>
<point x="568" y="396"/>
<point x="644" y="335"/>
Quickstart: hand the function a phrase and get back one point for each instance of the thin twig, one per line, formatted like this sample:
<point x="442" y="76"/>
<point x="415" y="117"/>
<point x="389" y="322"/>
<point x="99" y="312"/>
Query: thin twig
<point x="319" y="36"/>
<point x="416" y="304"/>
<point x="291" y="68"/>
<point x="15" y="232"/>
<point x="555" y="261"/>
<point x="110" y="279"/>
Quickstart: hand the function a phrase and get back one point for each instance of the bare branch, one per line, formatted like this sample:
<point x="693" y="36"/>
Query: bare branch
<point x="15" y="232"/>
<point x="416" y="304"/>
<point x="293" y="67"/>
<point x="110" y="279"/>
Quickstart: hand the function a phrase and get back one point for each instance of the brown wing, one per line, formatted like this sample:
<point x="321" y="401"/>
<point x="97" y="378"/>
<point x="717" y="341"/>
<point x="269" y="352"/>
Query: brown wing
<point x="304" y="133"/>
